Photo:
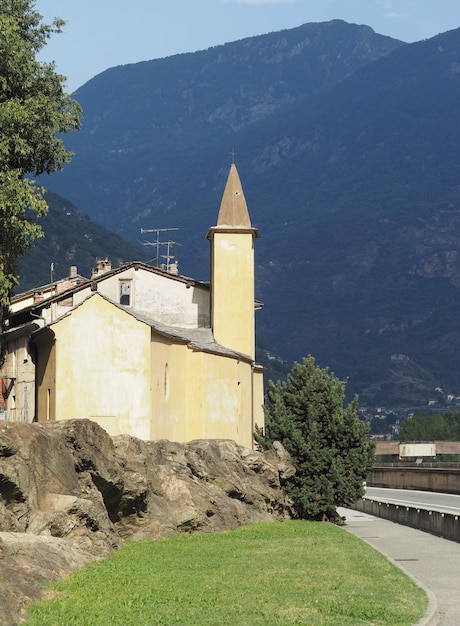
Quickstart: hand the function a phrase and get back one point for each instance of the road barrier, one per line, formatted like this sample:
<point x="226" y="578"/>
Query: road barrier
<point x="445" y="525"/>
<point x="442" y="479"/>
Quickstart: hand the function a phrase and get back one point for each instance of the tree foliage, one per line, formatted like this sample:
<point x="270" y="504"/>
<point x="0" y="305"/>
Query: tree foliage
<point x="327" y="441"/>
<point x="436" y="427"/>
<point x="34" y="111"/>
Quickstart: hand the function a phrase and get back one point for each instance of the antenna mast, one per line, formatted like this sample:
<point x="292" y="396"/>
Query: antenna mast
<point x="170" y="258"/>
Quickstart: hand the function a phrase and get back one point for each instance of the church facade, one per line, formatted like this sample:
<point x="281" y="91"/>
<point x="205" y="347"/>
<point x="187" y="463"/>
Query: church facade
<point x="143" y="351"/>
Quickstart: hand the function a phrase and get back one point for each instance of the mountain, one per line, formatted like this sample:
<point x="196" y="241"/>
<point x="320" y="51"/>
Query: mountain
<point x="71" y="238"/>
<point x="347" y="144"/>
<point x="379" y="197"/>
<point x="373" y="229"/>
<point x="149" y="125"/>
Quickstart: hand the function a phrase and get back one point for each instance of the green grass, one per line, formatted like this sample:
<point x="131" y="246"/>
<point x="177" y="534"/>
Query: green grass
<point x="277" y="573"/>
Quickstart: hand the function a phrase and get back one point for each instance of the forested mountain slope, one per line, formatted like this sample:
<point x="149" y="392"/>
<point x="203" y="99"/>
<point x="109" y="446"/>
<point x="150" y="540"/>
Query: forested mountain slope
<point x="146" y="125"/>
<point x="71" y="238"/>
<point x="347" y="144"/>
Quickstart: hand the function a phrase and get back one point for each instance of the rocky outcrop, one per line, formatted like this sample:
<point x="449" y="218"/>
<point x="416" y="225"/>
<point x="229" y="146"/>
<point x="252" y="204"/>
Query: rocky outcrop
<point x="70" y="493"/>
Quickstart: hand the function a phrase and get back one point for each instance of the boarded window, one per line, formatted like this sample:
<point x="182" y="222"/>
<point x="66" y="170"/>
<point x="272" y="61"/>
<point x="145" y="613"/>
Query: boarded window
<point x="125" y="292"/>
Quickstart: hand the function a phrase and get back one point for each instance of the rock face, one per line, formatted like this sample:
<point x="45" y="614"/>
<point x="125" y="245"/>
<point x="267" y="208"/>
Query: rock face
<point x="70" y="493"/>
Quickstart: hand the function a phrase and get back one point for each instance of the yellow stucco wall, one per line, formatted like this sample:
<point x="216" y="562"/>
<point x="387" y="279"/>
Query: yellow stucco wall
<point x="221" y="400"/>
<point x="198" y="395"/>
<point x="103" y="364"/>
<point x="258" y="397"/>
<point x="45" y="379"/>
<point x="102" y="369"/>
<point x="246" y="418"/>
<point x="233" y="291"/>
<point x="169" y="388"/>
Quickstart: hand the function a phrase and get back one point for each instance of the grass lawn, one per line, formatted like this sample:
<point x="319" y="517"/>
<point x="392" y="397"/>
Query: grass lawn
<point x="275" y="573"/>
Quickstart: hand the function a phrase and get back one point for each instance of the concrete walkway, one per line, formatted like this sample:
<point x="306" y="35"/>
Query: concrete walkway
<point x="432" y="562"/>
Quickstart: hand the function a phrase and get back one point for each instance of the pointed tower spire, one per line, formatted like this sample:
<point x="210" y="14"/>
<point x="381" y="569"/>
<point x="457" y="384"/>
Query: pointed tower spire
<point x="233" y="209"/>
<point x="232" y="270"/>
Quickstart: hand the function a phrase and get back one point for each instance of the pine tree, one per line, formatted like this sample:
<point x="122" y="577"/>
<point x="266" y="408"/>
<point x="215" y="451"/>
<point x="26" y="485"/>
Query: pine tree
<point x="327" y="442"/>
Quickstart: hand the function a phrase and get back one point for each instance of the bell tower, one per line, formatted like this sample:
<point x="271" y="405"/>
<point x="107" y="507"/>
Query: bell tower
<point x="232" y="270"/>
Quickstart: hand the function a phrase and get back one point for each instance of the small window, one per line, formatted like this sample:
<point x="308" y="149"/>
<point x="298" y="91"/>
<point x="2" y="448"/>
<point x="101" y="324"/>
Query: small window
<point x="125" y="292"/>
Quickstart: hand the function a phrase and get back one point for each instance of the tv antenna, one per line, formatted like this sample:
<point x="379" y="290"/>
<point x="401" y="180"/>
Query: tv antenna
<point x="169" y="257"/>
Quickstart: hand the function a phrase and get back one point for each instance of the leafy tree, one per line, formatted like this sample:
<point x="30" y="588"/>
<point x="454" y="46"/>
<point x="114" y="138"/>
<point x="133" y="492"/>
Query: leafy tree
<point x="453" y="421"/>
<point x="327" y="442"/>
<point x="413" y="428"/>
<point x="34" y="111"/>
<point x="435" y="427"/>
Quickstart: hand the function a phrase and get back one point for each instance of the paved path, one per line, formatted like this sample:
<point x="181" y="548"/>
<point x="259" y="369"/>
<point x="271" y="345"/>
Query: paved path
<point x="433" y="562"/>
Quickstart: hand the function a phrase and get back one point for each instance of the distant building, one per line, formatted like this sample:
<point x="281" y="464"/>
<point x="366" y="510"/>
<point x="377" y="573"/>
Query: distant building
<point x="401" y="358"/>
<point x="143" y="351"/>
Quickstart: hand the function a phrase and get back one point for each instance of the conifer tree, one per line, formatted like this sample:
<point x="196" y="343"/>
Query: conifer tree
<point x="327" y="441"/>
<point x="34" y="112"/>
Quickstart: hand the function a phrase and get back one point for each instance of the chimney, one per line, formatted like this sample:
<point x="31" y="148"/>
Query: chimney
<point x="102" y="266"/>
<point x="73" y="271"/>
<point x="174" y="268"/>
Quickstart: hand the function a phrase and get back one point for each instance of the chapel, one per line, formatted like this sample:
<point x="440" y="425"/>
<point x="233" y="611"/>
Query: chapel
<point x="145" y="351"/>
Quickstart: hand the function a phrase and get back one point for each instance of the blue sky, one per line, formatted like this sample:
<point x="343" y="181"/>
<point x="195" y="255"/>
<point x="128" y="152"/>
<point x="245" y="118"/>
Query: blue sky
<point x="102" y="33"/>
